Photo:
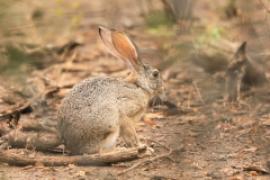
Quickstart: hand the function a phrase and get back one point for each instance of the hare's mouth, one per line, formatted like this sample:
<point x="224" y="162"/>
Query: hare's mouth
<point x="158" y="92"/>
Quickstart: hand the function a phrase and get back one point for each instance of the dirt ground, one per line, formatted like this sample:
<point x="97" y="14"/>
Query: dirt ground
<point x="208" y="137"/>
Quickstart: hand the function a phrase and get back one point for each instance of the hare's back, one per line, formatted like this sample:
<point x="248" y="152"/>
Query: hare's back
<point x="88" y="104"/>
<point x="91" y="91"/>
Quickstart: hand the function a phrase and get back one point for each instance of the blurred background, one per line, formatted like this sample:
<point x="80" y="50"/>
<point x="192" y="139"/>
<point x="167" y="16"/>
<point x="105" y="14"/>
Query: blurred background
<point x="31" y="30"/>
<point x="46" y="47"/>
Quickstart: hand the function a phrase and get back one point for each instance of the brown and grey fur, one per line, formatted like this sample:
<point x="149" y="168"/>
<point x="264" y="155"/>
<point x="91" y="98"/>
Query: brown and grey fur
<point x="235" y="73"/>
<point x="99" y="110"/>
<point x="243" y="73"/>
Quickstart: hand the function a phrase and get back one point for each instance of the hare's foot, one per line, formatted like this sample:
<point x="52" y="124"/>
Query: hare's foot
<point x="108" y="144"/>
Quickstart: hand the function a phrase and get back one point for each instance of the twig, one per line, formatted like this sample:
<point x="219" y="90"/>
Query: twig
<point x="198" y="92"/>
<point x="41" y="141"/>
<point x="15" y="113"/>
<point x="163" y="145"/>
<point x="154" y="141"/>
<point x="156" y="177"/>
<point x="259" y="170"/>
<point x="134" y="166"/>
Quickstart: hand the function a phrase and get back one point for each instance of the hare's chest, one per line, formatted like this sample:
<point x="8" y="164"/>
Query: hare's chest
<point x="132" y="104"/>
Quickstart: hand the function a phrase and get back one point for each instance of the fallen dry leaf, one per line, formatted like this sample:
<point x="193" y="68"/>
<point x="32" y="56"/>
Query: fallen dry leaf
<point x="149" y="118"/>
<point x="149" y="121"/>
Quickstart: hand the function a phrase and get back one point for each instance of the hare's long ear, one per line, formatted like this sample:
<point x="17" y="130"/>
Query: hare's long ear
<point x="120" y="45"/>
<point x="241" y="51"/>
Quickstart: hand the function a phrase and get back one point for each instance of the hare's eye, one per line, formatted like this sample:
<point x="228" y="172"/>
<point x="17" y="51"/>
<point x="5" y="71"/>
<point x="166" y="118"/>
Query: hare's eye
<point x="155" y="74"/>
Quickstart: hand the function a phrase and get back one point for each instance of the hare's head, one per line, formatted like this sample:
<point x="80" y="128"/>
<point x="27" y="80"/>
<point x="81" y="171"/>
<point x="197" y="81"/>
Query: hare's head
<point x="240" y="54"/>
<point x="121" y="46"/>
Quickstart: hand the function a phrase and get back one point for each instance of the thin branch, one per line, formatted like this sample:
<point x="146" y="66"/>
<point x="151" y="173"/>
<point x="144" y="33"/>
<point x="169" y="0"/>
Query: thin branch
<point x="18" y="159"/>
<point x="140" y="163"/>
<point x="198" y="92"/>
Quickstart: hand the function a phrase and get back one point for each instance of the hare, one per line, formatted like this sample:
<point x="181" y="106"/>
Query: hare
<point x="99" y="110"/>
<point x="235" y="73"/>
<point x="243" y="73"/>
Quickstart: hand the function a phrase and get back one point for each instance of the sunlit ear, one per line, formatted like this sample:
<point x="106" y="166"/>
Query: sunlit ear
<point x="106" y="37"/>
<point x="120" y="46"/>
<point x="241" y="51"/>
<point x="125" y="47"/>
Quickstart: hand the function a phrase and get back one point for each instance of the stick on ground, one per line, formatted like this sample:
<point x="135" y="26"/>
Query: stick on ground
<point x="14" y="158"/>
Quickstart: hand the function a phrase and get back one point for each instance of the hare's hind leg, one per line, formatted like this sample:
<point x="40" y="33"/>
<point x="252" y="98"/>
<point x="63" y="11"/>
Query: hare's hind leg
<point x="110" y="140"/>
<point x="128" y="133"/>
